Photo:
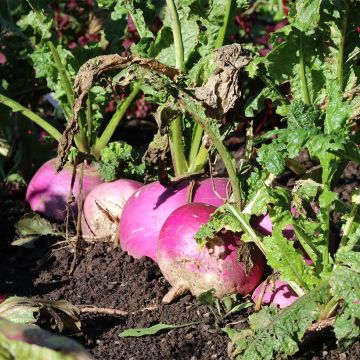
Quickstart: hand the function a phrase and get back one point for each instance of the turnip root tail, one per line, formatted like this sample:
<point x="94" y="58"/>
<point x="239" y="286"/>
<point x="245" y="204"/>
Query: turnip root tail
<point x="176" y="291"/>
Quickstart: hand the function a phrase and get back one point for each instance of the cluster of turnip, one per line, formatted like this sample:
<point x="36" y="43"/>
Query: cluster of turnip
<point x="161" y="223"/>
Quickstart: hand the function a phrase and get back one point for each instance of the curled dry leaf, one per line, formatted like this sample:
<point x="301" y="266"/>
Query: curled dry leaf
<point x="84" y="80"/>
<point x="222" y="89"/>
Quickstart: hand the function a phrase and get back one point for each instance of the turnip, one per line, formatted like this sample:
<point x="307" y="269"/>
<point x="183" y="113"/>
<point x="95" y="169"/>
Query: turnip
<point x="280" y="294"/>
<point x="147" y="209"/>
<point x="103" y="207"/>
<point x="48" y="191"/>
<point x="216" y="266"/>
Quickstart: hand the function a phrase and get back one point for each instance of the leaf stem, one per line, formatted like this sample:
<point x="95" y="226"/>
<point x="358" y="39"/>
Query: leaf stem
<point x="89" y="119"/>
<point x="114" y="122"/>
<point x="63" y="76"/>
<point x="81" y="140"/>
<point x="326" y="222"/>
<point x="340" y="59"/>
<point x="195" y="144"/>
<point x="176" y="141"/>
<point x="177" y="147"/>
<point x="176" y="28"/>
<point x="246" y="227"/>
<point x="227" y="158"/>
<point x="16" y="107"/>
<point x="271" y="85"/>
<point x="201" y="159"/>
<point x="350" y="220"/>
<point x="328" y="309"/>
<point x="304" y="86"/>
<point x="198" y="153"/>
<point x="222" y="32"/>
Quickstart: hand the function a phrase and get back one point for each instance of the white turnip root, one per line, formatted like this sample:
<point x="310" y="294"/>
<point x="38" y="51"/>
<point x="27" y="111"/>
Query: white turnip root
<point x="103" y="207"/>
<point x="218" y="265"/>
<point x="48" y="191"/>
<point x="147" y="209"/>
<point x="280" y="294"/>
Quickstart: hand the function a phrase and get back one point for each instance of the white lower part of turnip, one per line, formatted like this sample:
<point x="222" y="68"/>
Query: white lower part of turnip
<point x="103" y="207"/>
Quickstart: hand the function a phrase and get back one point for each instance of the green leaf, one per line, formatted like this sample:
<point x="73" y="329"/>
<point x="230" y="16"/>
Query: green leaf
<point x="307" y="15"/>
<point x="239" y="307"/>
<point x="283" y="257"/>
<point x="276" y="335"/>
<point x="119" y="159"/>
<point x="263" y="318"/>
<point x="153" y="330"/>
<point x="222" y="219"/>
<point x="337" y="110"/>
<point x="141" y="14"/>
<point x="345" y="287"/>
<point x="37" y="21"/>
<point x="207" y="297"/>
<point x="323" y="35"/>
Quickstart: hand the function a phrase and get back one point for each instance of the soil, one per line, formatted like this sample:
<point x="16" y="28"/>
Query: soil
<point x="108" y="278"/>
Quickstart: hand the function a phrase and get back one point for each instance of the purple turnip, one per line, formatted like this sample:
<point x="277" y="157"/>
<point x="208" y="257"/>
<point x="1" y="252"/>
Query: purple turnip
<point x="280" y="294"/>
<point x="103" y="207"/>
<point x="214" y="266"/>
<point x="48" y="191"/>
<point x="147" y="209"/>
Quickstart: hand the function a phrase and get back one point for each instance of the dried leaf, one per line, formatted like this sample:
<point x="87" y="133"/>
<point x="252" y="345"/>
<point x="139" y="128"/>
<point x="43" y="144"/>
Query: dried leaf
<point x="222" y="89"/>
<point x="85" y="78"/>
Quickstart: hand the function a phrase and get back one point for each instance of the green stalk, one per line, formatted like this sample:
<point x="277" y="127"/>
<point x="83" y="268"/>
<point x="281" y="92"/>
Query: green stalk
<point x="271" y="85"/>
<point x="80" y="139"/>
<point x="350" y="220"/>
<point x="177" y="147"/>
<point x="176" y="29"/>
<point x="327" y="232"/>
<point x="89" y="119"/>
<point x="340" y="58"/>
<point x="176" y="142"/>
<point x="304" y="86"/>
<point x="198" y="153"/>
<point x="64" y="78"/>
<point x="329" y="309"/>
<point x="222" y="32"/>
<point x="16" y="107"/>
<point x="246" y="227"/>
<point x="201" y="159"/>
<point x="105" y="137"/>
<point x="195" y="143"/>
<point x="227" y="158"/>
